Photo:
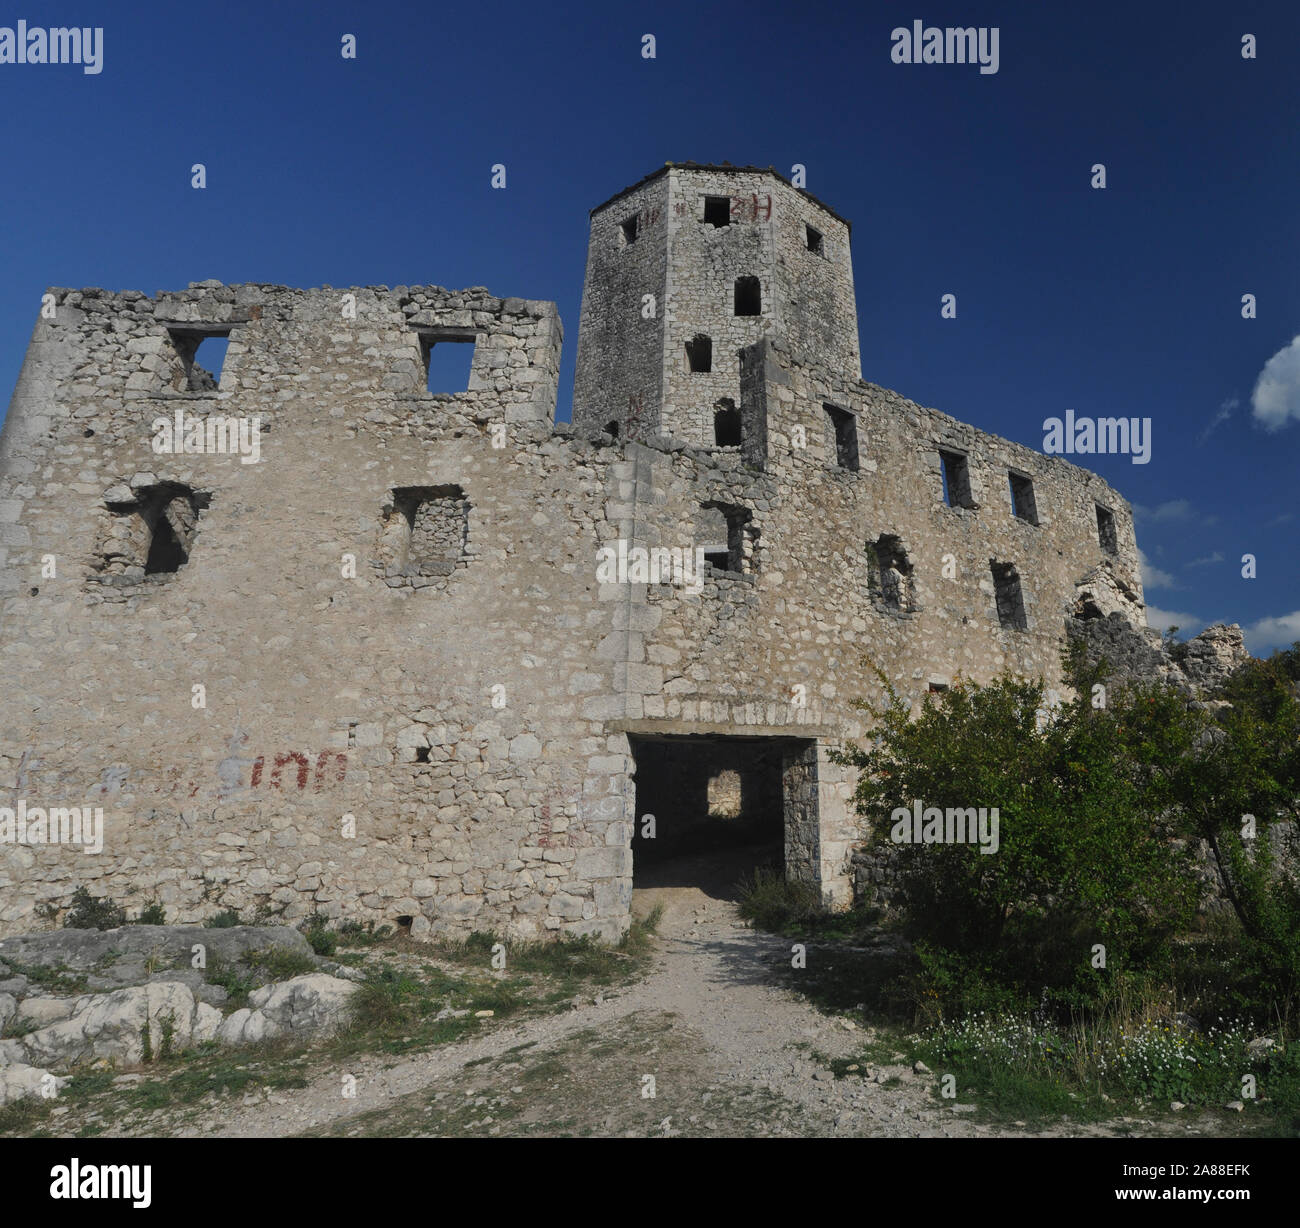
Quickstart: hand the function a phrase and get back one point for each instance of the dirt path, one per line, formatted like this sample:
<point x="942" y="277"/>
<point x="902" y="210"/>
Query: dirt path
<point x="729" y="1050"/>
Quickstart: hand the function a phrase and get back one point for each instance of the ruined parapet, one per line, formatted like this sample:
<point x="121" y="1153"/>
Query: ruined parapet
<point x="1140" y="654"/>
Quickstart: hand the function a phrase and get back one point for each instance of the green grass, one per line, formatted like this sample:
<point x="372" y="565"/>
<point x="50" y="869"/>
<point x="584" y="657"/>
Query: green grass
<point x="57" y="978"/>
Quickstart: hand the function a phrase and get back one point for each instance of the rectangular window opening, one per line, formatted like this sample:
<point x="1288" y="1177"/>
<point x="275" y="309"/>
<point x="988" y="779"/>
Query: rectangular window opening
<point x="749" y="297"/>
<point x="717" y="211"/>
<point x="813" y="237"/>
<point x="1010" y="599"/>
<point x="629" y="229"/>
<point x="203" y="356"/>
<point x="447" y="359"/>
<point x="699" y="354"/>
<point x="1106" y="530"/>
<point x="843" y="427"/>
<point x="722" y="530"/>
<point x="1023" y="506"/>
<point x="956" y="479"/>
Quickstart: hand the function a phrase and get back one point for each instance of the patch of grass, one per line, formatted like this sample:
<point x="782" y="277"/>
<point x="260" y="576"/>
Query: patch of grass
<point x="233" y="978"/>
<point x="227" y="919"/>
<point x="57" y="978"/>
<point x="769" y="901"/>
<point x="363" y="934"/>
<point x="279" y="963"/>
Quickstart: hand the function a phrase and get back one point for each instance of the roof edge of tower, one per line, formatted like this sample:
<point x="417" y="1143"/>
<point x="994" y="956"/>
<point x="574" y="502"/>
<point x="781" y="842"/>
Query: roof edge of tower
<point x="727" y="168"/>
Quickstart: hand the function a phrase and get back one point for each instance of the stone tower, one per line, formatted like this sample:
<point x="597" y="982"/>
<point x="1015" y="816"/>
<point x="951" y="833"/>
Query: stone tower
<point x="729" y="254"/>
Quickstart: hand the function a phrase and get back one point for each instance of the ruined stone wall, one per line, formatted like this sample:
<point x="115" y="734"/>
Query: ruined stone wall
<point x="417" y="689"/>
<point x="329" y="693"/>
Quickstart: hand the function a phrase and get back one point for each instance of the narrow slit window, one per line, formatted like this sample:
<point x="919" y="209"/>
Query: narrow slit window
<point x="1009" y="597"/>
<point x="842" y="427"/>
<point x="1106" y="530"/>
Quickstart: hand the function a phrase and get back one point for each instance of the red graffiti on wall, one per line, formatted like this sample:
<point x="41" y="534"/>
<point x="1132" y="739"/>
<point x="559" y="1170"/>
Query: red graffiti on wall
<point x="304" y="768"/>
<point x="748" y="209"/>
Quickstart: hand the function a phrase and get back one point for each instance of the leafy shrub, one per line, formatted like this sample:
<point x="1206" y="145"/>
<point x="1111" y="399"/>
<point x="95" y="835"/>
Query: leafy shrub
<point x="323" y="940"/>
<point x="227" y="919"/>
<point x="152" y="913"/>
<point x="88" y="913"/>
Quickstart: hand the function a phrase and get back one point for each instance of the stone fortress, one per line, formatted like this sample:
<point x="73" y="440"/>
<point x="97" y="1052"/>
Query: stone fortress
<point x="380" y="673"/>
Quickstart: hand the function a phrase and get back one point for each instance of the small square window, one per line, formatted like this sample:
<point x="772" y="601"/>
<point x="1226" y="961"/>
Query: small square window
<point x="813" y="237"/>
<point x="448" y="358"/>
<point x="717" y="211"/>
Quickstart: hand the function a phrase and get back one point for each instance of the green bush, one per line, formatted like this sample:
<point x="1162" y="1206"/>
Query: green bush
<point x="152" y="913"/>
<point x="88" y="913"/>
<point x="226" y="919"/>
<point x="324" y="941"/>
<point x="1082" y="856"/>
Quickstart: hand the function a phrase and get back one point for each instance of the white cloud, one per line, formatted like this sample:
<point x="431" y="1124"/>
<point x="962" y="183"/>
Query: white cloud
<point x="1276" y="398"/>
<point x="1153" y="576"/>
<point x="1207" y="560"/>
<point x="1270" y="633"/>
<point x="1162" y="620"/>
<point x="1174" y="509"/>
<point x="1225" y="412"/>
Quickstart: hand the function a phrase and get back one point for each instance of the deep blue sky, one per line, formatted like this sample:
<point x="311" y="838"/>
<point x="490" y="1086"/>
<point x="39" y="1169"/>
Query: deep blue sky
<point x="376" y="171"/>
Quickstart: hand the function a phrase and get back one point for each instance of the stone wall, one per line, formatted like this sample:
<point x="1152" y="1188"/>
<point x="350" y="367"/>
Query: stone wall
<point x="415" y="689"/>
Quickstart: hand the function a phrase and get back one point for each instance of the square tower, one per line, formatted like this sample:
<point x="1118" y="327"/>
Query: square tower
<point x="686" y="268"/>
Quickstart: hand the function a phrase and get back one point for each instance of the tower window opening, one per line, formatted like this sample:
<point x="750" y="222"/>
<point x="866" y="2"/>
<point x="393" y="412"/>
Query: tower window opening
<point x="749" y="297"/>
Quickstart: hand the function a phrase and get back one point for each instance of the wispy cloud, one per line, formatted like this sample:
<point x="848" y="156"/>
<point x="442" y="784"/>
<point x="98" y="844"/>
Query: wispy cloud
<point x="1162" y="620"/>
<point x="1207" y="560"/>
<point x="1276" y="399"/>
<point x="1163" y="513"/>
<point x="1270" y="633"/>
<point x="1225" y="411"/>
<point x="1153" y="576"/>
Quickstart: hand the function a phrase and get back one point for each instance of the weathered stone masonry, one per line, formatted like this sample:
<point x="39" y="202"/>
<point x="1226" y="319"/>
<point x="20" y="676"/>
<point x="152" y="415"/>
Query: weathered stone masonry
<point x="421" y="703"/>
